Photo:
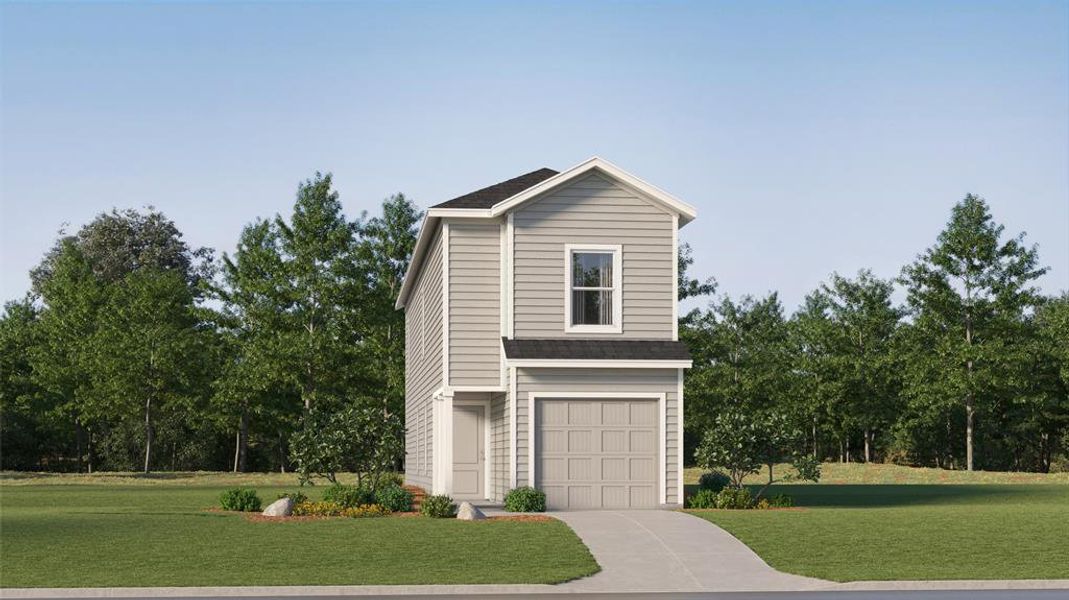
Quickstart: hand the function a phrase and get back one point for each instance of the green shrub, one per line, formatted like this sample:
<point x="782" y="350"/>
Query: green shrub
<point x="781" y="501"/>
<point x="397" y="479"/>
<point x="348" y="496"/>
<point x="317" y="509"/>
<point x="394" y="498"/>
<point x="365" y="511"/>
<point x="525" y="499"/>
<point x="297" y="497"/>
<point x="734" y="498"/>
<point x="242" y="499"/>
<point x="438" y="507"/>
<point x="713" y="481"/>
<point x="702" y="499"/>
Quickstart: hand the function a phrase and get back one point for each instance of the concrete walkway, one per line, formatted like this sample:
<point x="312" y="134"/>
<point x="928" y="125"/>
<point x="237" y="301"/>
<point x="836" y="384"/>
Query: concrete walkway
<point x="661" y="550"/>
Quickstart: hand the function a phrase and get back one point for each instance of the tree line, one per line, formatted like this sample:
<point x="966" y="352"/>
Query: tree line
<point x="970" y="372"/>
<point x="134" y="351"/>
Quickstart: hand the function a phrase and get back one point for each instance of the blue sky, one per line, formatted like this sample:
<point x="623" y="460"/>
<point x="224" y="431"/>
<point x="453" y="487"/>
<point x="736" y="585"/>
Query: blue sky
<point x="812" y="137"/>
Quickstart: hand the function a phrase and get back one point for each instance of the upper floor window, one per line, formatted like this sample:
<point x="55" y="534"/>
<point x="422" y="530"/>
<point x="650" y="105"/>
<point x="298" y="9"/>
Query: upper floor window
<point x="593" y="298"/>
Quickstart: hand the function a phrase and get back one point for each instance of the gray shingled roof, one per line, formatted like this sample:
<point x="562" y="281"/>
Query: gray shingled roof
<point x="489" y="196"/>
<point x="595" y="349"/>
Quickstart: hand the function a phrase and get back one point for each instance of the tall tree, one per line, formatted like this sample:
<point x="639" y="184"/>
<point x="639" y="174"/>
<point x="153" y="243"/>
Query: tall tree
<point x="147" y="351"/>
<point x="865" y="320"/>
<point x="965" y="293"/>
<point x="323" y="286"/>
<point x="384" y="252"/>
<point x="740" y="355"/>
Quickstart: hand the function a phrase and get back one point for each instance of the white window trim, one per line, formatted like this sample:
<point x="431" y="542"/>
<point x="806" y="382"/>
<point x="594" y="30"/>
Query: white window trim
<point x="617" y="251"/>
<point x="662" y="407"/>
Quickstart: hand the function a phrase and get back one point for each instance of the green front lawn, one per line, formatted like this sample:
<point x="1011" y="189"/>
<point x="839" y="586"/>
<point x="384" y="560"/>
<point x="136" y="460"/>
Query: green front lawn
<point x="915" y="531"/>
<point x="89" y="535"/>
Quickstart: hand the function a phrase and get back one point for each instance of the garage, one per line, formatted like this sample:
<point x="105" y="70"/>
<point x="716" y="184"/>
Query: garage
<point x="593" y="453"/>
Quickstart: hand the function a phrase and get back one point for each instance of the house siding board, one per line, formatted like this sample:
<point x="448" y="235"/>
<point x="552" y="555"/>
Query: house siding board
<point x="593" y="210"/>
<point x="474" y="304"/>
<point x="423" y="367"/>
<point x="607" y="381"/>
<point x="499" y="446"/>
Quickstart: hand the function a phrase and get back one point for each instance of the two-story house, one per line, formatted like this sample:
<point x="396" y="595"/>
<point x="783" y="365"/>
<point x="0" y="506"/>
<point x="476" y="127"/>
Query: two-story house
<point x="542" y="345"/>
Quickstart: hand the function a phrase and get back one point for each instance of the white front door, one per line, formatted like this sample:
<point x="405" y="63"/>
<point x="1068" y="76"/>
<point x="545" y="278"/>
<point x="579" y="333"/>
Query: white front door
<point x="469" y="455"/>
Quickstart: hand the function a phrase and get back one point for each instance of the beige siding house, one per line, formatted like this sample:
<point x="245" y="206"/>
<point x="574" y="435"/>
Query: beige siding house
<point x="542" y="343"/>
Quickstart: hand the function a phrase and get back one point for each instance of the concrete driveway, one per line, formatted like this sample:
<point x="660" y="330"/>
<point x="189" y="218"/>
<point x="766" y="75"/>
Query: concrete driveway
<point x="660" y="550"/>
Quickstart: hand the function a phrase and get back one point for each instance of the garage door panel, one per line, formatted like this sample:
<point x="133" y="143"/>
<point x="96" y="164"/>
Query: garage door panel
<point x="614" y="440"/>
<point x="614" y="496"/>
<point x="597" y="453"/>
<point x="579" y="440"/>
<point x="614" y="413"/>
<point x="642" y="441"/>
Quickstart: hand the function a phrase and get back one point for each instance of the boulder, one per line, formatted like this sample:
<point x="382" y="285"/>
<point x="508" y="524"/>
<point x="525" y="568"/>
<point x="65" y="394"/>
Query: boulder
<point x="283" y="507"/>
<point x="467" y="512"/>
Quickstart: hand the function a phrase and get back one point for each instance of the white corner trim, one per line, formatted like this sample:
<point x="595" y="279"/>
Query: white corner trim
<point x="663" y="410"/>
<point x="510" y="277"/>
<point x="512" y="428"/>
<point x="488" y="463"/>
<point x="679" y="434"/>
<point x="662" y="407"/>
<point x="445" y="303"/>
<point x="617" y="252"/>
<point x="675" y="277"/>
<point x="598" y="364"/>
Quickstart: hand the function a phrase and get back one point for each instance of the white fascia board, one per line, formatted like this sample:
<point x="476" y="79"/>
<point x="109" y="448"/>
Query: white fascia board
<point x="597" y="364"/>
<point x="425" y="237"/>
<point x="462" y="213"/>
<point x="685" y="211"/>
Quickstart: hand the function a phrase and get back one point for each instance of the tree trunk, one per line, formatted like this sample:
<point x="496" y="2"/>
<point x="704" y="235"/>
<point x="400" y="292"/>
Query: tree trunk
<point x="847" y="448"/>
<point x="281" y="454"/>
<point x="816" y="450"/>
<point x="150" y="434"/>
<point x="89" y="453"/>
<point x="241" y="444"/>
<point x="969" y="411"/>
<point x="868" y="454"/>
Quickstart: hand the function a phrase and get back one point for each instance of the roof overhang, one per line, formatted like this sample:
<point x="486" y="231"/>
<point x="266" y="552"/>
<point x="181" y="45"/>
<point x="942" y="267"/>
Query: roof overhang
<point x="686" y="212"/>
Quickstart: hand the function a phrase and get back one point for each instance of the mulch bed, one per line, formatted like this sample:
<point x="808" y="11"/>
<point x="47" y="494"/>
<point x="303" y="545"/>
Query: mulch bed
<point x="254" y="517"/>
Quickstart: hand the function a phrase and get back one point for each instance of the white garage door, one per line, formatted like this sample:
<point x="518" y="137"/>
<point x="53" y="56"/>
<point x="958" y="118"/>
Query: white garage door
<point x="597" y="453"/>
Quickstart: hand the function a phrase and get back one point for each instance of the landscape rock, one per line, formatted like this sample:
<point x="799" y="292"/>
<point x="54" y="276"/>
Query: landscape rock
<point x="467" y="512"/>
<point x="283" y="507"/>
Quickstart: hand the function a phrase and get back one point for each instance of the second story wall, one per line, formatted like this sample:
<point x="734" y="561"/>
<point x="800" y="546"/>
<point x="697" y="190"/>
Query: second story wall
<point x="423" y="366"/>
<point x="474" y="303"/>
<point x="594" y="210"/>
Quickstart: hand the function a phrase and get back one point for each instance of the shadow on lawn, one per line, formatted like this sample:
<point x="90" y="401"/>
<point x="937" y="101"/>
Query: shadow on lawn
<point x="882" y="495"/>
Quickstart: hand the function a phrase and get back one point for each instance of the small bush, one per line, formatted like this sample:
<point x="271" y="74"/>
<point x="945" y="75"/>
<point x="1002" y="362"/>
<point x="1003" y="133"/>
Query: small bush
<point x="317" y="509"/>
<point x="781" y="501"/>
<point x="348" y="496"/>
<point x="763" y="504"/>
<point x="525" y="499"/>
<point x="397" y="479"/>
<point x="713" y="481"/>
<point x="702" y="499"/>
<point x="297" y="497"/>
<point x="734" y="498"/>
<point x="438" y="507"/>
<point x="242" y="499"/>
<point x="365" y="511"/>
<point x="394" y="497"/>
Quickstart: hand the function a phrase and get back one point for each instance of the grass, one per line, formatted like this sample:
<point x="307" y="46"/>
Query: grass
<point x="154" y="532"/>
<point x="858" y="473"/>
<point x="913" y="529"/>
